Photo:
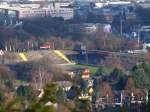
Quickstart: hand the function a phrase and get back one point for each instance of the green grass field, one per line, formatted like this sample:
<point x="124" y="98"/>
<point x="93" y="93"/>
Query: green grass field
<point x="93" y="69"/>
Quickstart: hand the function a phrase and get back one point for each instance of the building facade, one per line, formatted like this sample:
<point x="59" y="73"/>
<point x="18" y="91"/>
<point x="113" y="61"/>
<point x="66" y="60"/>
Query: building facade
<point x="34" y="10"/>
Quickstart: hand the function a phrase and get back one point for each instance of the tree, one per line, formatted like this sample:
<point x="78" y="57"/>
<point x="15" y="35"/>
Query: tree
<point x="120" y="85"/>
<point x="6" y="74"/>
<point x="11" y="106"/>
<point x="116" y="74"/>
<point x="130" y="84"/>
<point x="124" y="109"/>
<point x="7" y="77"/>
<point x="12" y="44"/>
<point x="113" y="61"/>
<point x="141" y="75"/>
<point x="100" y="71"/>
<point x="39" y="107"/>
<point x="50" y="93"/>
<point x="146" y="67"/>
<point x="118" y="78"/>
<point x="53" y="94"/>
<point x="60" y="94"/>
<point x="26" y="92"/>
<point x="41" y="74"/>
<point x="46" y="27"/>
<point x="2" y="97"/>
<point x="83" y="106"/>
<point x="10" y="85"/>
<point x="105" y="91"/>
<point x="146" y="106"/>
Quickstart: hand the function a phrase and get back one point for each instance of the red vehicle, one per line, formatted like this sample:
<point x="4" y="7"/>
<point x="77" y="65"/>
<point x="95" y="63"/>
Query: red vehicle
<point x="45" y="46"/>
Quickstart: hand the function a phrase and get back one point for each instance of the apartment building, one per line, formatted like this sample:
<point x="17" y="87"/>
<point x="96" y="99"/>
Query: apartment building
<point x="34" y="10"/>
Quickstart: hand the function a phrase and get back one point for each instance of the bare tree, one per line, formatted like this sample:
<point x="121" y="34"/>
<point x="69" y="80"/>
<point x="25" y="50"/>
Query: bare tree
<point x="114" y="62"/>
<point x="130" y="84"/>
<point x="45" y="71"/>
<point x="40" y="74"/>
<point x="104" y="92"/>
<point x="6" y="73"/>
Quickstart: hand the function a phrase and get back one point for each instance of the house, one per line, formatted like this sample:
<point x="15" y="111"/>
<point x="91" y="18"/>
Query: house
<point x="66" y="85"/>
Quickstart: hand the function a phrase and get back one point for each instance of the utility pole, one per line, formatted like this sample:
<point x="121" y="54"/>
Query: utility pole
<point x="87" y="56"/>
<point x="84" y="51"/>
<point x="139" y="30"/>
<point x="138" y="38"/>
<point x="122" y="19"/>
<point x="121" y="24"/>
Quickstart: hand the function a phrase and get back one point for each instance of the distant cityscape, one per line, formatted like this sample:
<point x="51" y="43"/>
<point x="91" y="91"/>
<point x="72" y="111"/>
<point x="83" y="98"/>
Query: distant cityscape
<point x="75" y="56"/>
<point x="105" y="12"/>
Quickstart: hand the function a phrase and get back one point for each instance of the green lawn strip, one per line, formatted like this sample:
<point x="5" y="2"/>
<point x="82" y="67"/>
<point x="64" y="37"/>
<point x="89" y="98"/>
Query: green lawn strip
<point x="20" y="82"/>
<point x="108" y="70"/>
<point x="120" y="53"/>
<point x="93" y="69"/>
